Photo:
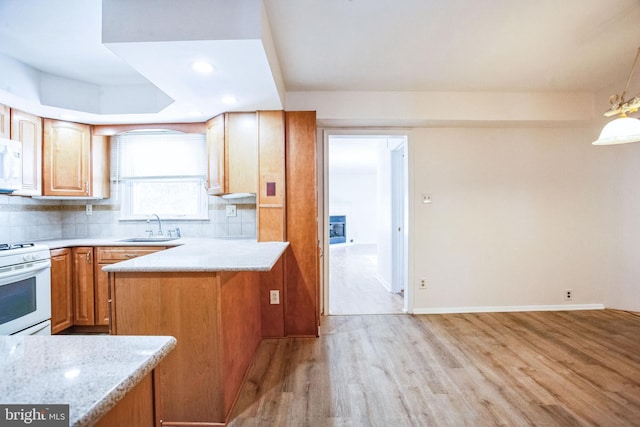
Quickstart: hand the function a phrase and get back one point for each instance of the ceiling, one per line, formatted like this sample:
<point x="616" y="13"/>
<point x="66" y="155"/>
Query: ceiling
<point x="319" y="45"/>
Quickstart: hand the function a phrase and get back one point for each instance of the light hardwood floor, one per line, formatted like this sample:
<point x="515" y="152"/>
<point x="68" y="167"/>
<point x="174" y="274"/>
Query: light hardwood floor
<point x="576" y="368"/>
<point x="353" y="285"/>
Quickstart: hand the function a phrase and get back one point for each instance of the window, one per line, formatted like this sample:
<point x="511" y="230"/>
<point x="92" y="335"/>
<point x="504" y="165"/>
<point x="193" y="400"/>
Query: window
<point x="161" y="173"/>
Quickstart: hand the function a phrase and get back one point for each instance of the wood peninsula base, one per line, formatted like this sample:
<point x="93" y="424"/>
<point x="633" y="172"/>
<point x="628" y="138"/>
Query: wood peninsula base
<point x="216" y="319"/>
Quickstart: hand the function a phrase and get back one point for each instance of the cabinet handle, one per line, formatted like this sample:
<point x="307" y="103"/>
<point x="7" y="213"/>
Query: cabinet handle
<point x="130" y="255"/>
<point x="86" y="186"/>
<point x="88" y="257"/>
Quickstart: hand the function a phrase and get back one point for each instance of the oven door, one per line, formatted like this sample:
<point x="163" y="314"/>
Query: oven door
<point x="25" y="296"/>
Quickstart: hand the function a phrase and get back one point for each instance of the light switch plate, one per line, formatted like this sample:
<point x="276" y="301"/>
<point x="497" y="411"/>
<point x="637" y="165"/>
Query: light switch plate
<point x="231" y="210"/>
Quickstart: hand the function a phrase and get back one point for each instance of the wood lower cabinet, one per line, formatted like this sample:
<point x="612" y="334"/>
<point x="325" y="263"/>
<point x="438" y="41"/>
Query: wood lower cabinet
<point x="83" y="287"/>
<point x="106" y="256"/>
<point x="215" y="318"/>
<point x="61" y="290"/>
<point x="135" y="408"/>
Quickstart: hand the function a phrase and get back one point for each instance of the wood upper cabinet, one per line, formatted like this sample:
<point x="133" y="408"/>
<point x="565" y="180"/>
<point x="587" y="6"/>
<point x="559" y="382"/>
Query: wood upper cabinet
<point x="215" y="154"/>
<point x="61" y="290"/>
<point x="27" y="129"/>
<point x="4" y="121"/>
<point x="83" y="286"/>
<point x="73" y="164"/>
<point x="232" y="145"/>
<point x="241" y="152"/>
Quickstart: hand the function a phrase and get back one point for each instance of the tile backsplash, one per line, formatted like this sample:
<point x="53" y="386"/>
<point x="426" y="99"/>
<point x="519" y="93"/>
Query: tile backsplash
<point x="25" y="219"/>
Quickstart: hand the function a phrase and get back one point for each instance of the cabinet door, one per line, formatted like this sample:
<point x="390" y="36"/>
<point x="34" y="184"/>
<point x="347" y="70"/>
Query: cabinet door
<point x="101" y="295"/>
<point x="109" y="255"/>
<point x="241" y="153"/>
<point x="61" y="290"/>
<point x="83" y="286"/>
<point x="4" y="121"/>
<point x="215" y="155"/>
<point x="27" y="129"/>
<point x="66" y="159"/>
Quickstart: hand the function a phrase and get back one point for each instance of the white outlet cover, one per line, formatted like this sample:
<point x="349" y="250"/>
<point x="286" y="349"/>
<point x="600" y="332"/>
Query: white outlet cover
<point x="231" y="210"/>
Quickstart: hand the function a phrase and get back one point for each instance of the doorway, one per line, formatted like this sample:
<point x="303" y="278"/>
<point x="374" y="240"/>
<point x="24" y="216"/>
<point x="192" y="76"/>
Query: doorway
<point x="365" y="217"/>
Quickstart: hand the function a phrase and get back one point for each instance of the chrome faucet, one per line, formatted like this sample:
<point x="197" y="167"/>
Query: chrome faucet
<point x="159" y="223"/>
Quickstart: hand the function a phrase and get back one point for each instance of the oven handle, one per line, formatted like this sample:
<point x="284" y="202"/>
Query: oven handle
<point x="19" y="272"/>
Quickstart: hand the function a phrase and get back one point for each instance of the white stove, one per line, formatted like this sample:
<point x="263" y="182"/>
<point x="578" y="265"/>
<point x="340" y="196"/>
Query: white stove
<point x="25" y="289"/>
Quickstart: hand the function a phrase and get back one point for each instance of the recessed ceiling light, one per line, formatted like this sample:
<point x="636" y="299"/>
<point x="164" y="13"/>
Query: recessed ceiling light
<point x="202" y="67"/>
<point x="229" y="100"/>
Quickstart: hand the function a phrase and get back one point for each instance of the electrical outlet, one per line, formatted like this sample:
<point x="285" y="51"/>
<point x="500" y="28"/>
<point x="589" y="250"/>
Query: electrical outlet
<point x="89" y="210"/>
<point x="231" y="210"/>
<point x="423" y="283"/>
<point x="274" y="297"/>
<point x="568" y="295"/>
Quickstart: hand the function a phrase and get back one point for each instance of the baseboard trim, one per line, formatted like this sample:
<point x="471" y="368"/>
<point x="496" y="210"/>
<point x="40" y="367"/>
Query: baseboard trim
<point x="508" y="308"/>
<point x="383" y="282"/>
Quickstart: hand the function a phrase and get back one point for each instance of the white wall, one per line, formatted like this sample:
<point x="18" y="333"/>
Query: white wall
<point x="355" y="195"/>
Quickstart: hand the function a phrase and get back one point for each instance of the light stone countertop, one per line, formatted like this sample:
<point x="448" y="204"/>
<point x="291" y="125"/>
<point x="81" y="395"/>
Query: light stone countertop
<point x="190" y="254"/>
<point x="205" y="255"/>
<point x="90" y="373"/>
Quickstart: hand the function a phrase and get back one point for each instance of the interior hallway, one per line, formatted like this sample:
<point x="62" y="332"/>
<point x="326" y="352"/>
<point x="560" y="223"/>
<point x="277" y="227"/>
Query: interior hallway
<point x="354" y="287"/>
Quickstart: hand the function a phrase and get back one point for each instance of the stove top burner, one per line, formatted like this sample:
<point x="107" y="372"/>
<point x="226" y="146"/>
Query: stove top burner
<point x="9" y="246"/>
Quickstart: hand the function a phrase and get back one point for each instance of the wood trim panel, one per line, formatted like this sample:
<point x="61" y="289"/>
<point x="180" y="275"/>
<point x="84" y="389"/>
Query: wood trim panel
<point x="109" y="130"/>
<point x="100" y="164"/>
<point x="272" y="314"/>
<point x="301" y="286"/>
<point x="240" y="332"/>
<point x="271" y="223"/>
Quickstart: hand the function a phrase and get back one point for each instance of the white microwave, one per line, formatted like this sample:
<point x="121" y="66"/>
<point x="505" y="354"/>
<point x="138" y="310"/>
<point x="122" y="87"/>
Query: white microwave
<point x="10" y="165"/>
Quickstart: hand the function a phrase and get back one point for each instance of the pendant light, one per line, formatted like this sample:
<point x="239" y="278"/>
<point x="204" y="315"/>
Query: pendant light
<point x="623" y="129"/>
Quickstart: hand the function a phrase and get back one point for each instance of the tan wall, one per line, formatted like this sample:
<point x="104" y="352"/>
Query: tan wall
<point x="520" y="215"/>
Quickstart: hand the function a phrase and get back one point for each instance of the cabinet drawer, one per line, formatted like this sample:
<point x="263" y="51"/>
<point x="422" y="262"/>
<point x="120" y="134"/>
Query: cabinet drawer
<point x="112" y="255"/>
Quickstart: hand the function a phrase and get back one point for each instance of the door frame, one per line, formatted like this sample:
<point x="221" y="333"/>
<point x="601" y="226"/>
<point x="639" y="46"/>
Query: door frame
<point x="323" y="208"/>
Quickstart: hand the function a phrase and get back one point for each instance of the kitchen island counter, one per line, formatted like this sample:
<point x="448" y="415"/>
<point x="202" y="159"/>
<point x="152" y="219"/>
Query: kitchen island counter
<point x="207" y="255"/>
<point x="90" y="373"/>
<point x="190" y="254"/>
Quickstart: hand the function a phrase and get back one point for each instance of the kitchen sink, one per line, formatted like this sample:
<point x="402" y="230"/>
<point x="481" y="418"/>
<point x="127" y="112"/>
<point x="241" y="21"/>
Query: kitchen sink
<point x="149" y="239"/>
